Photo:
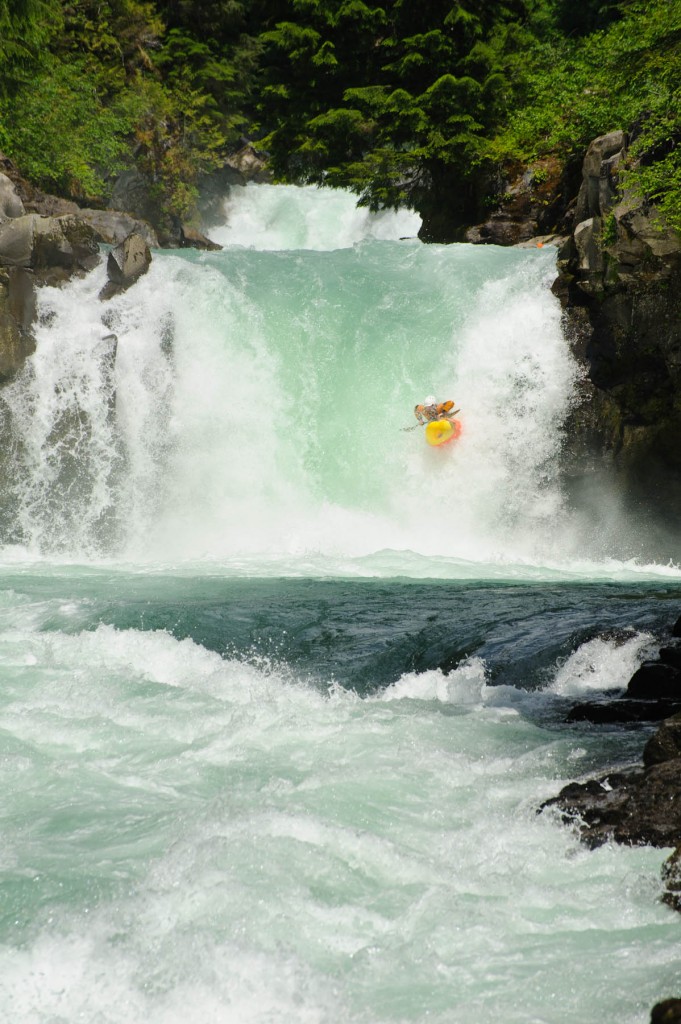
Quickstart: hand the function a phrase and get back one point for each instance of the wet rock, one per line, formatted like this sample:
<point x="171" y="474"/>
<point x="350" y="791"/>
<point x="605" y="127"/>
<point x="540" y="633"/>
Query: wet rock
<point x="618" y="711"/>
<point x="676" y="628"/>
<point x="634" y="807"/>
<point x="193" y="239"/>
<point x="246" y="164"/>
<point x="655" y="680"/>
<point x="63" y="247"/>
<point x="17" y="313"/>
<point x="620" y="284"/>
<point x="125" y="264"/>
<point x="666" y="1012"/>
<point x="665" y="744"/>
<point x="671" y="656"/>
<point x="671" y="879"/>
<point x="250" y="163"/>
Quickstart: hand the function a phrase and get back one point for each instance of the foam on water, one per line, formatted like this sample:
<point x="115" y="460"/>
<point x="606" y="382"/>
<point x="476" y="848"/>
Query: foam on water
<point x="249" y="407"/>
<point x="191" y="838"/>
<point x="281" y="217"/>
<point x="204" y="837"/>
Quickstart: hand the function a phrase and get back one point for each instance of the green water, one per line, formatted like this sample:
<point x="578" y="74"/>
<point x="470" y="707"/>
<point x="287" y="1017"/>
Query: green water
<point x="281" y="689"/>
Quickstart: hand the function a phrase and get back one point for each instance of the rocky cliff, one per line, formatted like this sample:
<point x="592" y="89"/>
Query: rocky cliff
<point x="619" y="280"/>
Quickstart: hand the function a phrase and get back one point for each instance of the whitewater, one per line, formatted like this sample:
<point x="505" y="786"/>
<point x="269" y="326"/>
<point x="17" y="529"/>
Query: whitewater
<point x="281" y="687"/>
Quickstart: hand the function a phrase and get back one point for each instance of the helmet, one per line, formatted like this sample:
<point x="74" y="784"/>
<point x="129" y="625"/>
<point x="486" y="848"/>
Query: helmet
<point x="430" y="400"/>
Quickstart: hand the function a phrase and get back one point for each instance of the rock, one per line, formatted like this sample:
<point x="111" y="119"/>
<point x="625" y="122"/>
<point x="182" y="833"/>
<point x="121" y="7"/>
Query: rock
<point x="16" y="241"/>
<point x="528" y="206"/>
<point x="55" y="247"/>
<point x="246" y="164"/>
<point x="671" y="656"/>
<point x="587" y="240"/>
<point x="665" y="744"/>
<point x="676" y="628"/>
<point x="632" y="807"/>
<point x="17" y="312"/>
<point x="624" y="712"/>
<point x="132" y="193"/>
<point x="620" y="285"/>
<point x="599" y="171"/>
<point x="113" y="227"/>
<point x="671" y="878"/>
<point x="63" y="244"/>
<point x="11" y="205"/>
<point x="125" y="264"/>
<point x="250" y="163"/>
<point x="655" y="680"/>
<point x="666" y="1012"/>
<point x="193" y="239"/>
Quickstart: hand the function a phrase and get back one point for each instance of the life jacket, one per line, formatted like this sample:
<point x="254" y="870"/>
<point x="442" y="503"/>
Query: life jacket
<point x="441" y="410"/>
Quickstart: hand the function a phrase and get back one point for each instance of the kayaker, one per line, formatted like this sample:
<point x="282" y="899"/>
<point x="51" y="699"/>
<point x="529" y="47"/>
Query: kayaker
<point x="431" y="410"/>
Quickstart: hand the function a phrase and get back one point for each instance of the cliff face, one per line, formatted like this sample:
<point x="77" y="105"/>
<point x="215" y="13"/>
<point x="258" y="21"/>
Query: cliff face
<point x="620" y="285"/>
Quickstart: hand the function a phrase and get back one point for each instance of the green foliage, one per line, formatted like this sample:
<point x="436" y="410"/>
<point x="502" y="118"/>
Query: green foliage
<point x="399" y="101"/>
<point x="383" y="99"/>
<point x="63" y="136"/>
<point x="628" y="77"/>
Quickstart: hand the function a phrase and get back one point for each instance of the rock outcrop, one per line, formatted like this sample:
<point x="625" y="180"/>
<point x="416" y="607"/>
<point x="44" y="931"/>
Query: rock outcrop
<point x="531" y="203"/>
<point x="640" y="805"/>
<point x="125" y="264"/>
<point x="620" y="285"/>
<point x="17" y="313"/>
<point x="634" y="807"/>
<point x="33" y="250"/>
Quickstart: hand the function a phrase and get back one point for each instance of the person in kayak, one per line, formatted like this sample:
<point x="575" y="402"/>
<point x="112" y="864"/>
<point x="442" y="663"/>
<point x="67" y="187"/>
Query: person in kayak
<point x="434" y="410"/>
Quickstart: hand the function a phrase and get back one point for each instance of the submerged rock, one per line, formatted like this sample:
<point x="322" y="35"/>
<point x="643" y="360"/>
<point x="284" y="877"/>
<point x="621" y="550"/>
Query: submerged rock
<point x="666" y="1012"/>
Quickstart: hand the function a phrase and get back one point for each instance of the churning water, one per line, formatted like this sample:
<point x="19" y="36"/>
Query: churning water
<point x="282" y="687"/>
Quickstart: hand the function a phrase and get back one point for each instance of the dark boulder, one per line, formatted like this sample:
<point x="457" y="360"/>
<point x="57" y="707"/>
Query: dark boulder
<point x="676" y="628"/>
<point x="665" y="744"/>
<point x="619" y="711"/>
<point x="666" y="1012"/>
<point x="634" y="807"/>
<point x="655" y="680"/>
<point x="671" y="878"/>
<point x="671" y="656"/>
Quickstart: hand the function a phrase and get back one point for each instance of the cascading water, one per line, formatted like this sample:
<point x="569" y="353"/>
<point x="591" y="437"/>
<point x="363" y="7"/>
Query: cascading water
<point x="281" y="688"/>
<point x="257" y="402"/>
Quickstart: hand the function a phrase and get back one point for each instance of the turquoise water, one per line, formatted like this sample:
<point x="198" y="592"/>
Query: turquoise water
<point x="281" y="688"/>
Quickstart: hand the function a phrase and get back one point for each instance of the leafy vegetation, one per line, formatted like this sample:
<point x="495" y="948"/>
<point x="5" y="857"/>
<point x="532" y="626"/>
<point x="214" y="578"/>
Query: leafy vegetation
<point x="405" y="103"/>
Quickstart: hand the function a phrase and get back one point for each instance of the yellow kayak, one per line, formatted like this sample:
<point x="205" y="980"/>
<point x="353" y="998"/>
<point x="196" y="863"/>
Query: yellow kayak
<point x="441" y="431"/>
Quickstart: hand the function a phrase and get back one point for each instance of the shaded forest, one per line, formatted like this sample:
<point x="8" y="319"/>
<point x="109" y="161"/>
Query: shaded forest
<point x="404" y="103"/>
